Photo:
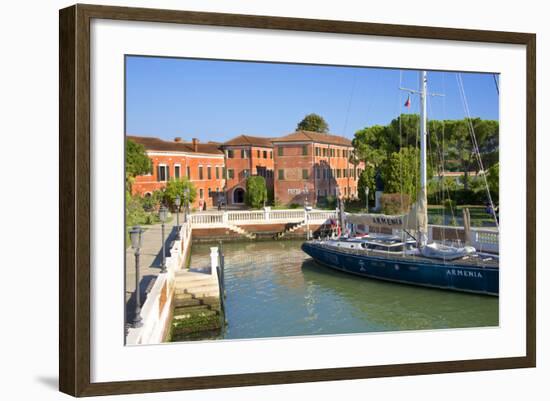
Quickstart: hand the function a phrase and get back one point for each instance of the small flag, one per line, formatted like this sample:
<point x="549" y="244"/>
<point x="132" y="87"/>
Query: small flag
<point x="408" y="102"/>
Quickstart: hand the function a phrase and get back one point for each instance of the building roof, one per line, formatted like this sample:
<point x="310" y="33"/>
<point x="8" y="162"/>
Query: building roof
<point x="247" y="140"/>
<point x="318" y="137"/>
<point x="156" y="144"/>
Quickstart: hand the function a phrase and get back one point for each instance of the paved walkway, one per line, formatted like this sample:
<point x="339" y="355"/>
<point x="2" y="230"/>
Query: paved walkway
<point x="150" y="262"/>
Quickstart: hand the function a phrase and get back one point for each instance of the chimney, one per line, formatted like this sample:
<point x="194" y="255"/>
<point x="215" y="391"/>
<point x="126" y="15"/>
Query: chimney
<point x="177" y="139"/>
<point x="195" y="145"/>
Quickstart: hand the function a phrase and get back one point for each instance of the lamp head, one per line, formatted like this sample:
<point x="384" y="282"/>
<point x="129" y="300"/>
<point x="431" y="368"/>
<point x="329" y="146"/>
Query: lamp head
<point x="135" y="236"/>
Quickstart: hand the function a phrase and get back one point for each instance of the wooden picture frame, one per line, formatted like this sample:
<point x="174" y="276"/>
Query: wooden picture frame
<point x="75" y="208"/>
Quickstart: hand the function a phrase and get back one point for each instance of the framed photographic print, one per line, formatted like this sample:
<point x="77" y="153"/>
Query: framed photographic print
<point x="279" y="200"/>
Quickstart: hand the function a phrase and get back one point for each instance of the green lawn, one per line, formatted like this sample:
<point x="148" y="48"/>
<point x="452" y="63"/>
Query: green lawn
<point x="478" y="216"/>
<point x="438" y="215"/>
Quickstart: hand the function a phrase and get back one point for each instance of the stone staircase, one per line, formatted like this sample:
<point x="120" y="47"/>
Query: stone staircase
<point x="197" y="307"/>
<point x="290" y="229"/>
<point x="240" y="230"/>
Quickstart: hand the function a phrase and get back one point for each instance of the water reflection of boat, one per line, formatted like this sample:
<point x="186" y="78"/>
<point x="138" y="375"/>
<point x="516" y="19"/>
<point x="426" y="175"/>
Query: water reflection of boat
<point x="388" y="306"/>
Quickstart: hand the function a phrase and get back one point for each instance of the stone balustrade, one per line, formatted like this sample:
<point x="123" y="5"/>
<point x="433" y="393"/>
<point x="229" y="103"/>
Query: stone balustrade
<point x="484" y="239"/>
<point x="156" y="310"/>
<point x="253" y="217"/>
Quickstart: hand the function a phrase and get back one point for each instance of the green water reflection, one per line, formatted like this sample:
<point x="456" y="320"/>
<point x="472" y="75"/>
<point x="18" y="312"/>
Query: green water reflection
<point x="274" y="289"/>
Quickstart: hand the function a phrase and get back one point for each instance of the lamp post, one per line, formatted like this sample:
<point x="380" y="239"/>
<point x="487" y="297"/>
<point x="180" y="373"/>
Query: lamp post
<point x="162" y="215"/>
<point x="367" y="198"/>
<point x="178" y="203"/>
<point x="135" y="236"/>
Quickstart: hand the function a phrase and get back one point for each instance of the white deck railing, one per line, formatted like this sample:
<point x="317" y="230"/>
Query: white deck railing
<point x="250" y="217"/>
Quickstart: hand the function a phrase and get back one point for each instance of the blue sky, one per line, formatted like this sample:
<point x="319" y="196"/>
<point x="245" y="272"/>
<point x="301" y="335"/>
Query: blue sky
<point x="218" y="100"/>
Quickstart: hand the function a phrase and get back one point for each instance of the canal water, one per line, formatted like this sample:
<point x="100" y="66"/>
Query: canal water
<point x="274" y="290"/>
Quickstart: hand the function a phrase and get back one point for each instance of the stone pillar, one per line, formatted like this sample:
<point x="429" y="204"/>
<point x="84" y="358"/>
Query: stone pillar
<point x="225" y="217"/>
<point x="214" y="261"/>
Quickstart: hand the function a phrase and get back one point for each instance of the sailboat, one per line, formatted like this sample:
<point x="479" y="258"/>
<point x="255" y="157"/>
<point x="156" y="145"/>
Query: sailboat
<point x="405" y="258"/>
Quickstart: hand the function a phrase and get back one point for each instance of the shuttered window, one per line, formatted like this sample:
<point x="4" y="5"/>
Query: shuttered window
<point x="163" y="173"/>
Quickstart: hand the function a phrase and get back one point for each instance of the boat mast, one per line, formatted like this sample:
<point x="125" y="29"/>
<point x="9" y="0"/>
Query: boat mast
<point x="422" y="195"/>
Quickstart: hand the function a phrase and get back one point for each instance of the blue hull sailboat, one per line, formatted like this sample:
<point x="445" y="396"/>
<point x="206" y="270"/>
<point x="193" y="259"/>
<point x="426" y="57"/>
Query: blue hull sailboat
<point x="403" y="258"/>
<point x="475" y="274"/>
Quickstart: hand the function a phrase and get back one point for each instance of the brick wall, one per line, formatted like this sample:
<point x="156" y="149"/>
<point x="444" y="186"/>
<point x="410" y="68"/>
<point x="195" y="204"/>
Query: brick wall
<point x="242" y="167"/>
<point x="188" y="164"/>
<point x="336" y="176"/>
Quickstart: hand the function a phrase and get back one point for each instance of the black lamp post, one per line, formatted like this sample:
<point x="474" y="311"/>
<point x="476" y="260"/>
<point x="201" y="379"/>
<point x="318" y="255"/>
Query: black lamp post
<point x="178" y="203"/>
<point x="162" y="215"/>
<point x="135" y="236"/>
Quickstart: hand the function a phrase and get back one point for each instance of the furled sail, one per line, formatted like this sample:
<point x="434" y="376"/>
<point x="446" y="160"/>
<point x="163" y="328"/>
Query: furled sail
<point x="416" y="219"/>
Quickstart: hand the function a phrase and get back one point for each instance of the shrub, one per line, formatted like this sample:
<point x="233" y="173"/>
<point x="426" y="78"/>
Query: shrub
<point x="461" y="197"/>
<point x="331" y="202"/>
<point x="449" y="205"/>
<point x="395" y="203"/>
<point x="135" y="214"/>
<point x="294" y="206"/>
<point x="152" y="202"/>
<point x="437" y="219"/>
<point x="152" y="218"/>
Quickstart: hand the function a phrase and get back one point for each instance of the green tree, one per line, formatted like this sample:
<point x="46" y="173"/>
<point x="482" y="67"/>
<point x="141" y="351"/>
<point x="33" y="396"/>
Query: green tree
<point x="313" y="122"/>
<point x="367" y="179"/>
<point x="493" y="179"/>
<point x="256" y="192"/>
<point x="449" y="147"/>
<point x="401" y="172"/>
<point x="370" y="146"/>
<point x="403" y="131"/>
<point x="137" y="161"/>
<point x="177" y="187"/>
<point x="462" y="149"/>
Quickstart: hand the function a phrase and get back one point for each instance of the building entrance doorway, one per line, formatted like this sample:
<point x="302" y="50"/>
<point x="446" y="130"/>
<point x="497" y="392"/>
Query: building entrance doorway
<point x="238" y="195"/>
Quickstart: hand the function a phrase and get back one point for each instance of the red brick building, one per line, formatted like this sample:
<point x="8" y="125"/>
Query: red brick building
<point x="246" y="156"/>
<point x="202" y="163"/>
<point x="297" y="166"/>
<point x="313" y="165"/>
